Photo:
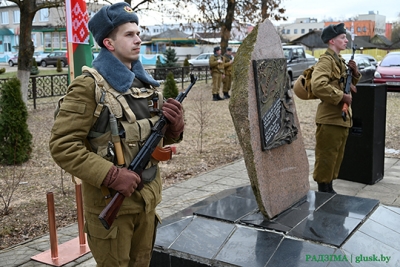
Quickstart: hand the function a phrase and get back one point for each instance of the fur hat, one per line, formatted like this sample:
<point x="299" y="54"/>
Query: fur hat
<point x="332" y="31"/>
<point x="110" y="17"/>
<point x="217" y="48"/>
<point x="229" y="49"/>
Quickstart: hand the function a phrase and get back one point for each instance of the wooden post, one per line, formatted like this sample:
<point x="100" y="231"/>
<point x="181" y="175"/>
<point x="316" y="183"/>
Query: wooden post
<point x="79" y="210"/>
<point x="52" y="225"/>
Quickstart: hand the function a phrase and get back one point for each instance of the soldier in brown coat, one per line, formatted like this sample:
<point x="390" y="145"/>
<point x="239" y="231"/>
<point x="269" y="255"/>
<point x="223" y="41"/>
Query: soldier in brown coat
<point x="216" y="63"/>
<point x="227" y="80"/>
<point x="327" y="83"/>
<point x="81" y="138"/>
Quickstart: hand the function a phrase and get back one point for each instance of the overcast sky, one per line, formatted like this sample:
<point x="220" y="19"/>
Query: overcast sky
<point x="336" y="9"/>
<point x="340" y="9"/>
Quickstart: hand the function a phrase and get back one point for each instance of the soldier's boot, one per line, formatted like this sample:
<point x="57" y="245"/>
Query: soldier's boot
<point x="323" y="187"/>
<point x="331" y="188"/>
<point x="216" y="97"/>
<point x="326" y="187"/>
<point x="226" y="95"/>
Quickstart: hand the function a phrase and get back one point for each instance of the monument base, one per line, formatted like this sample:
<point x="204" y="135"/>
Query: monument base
<point x="227" y="229"/>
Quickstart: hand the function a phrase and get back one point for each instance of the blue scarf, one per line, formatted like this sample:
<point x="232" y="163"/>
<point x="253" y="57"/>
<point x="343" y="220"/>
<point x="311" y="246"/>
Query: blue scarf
<point x="117" y="74"/>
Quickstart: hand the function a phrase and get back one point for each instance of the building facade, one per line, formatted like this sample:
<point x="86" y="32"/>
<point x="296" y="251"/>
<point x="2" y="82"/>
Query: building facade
<point x="370" y="24"/>
<point x="48" y="29"/>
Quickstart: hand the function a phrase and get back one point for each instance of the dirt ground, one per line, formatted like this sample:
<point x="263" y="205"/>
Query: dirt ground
<point x="209" y="142"/>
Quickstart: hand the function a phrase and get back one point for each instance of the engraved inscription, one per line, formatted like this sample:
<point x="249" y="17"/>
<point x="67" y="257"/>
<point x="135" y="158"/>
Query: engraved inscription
<point x="274" y="103"/>
<point x="271" y="122"/>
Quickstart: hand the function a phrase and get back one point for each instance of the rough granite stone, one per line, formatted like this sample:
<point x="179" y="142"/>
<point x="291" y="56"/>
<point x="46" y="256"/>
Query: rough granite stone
<point x="279" y="176"/>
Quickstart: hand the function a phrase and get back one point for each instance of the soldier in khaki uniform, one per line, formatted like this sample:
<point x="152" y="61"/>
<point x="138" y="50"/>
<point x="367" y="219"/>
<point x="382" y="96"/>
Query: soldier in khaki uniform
<point x="327" y="83"/>
<point x="217" y="67"/>
<point x="81" y="138"/>
<point x="227" y="80"/>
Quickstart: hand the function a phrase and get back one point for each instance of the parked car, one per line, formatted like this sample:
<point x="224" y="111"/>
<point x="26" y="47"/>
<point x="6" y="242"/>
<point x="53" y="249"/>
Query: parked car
<point x="13" y="61"/>
<point x="388" y="71"/>
<point x="364" y="65"/>
<point x="371" y="59"/>
<point x="39" y="56"/>
<point x="310" y="57"/>
<point x="201" y="60"/>
<point x="52" y="58"/>
<point x="297" y="61"/>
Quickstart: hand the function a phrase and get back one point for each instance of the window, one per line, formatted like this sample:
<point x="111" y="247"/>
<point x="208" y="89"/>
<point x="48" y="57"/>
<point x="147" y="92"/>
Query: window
<point x="4" y="18"/>
<point x="303" y="31"/>
<point x="359" y="29"/>
<point x="283" y="31"/>
<point x="44" y="14"/>
<point x="55" y="40"/>
<point x="63" y="36"/>
<point x="34" y="39"/>
<point x="47" y="40"/>
<point x="309" y="30"/>
<point x="299" y="52"/>
<point x="7" y="43"/>
<point x="365" y="29"/>
<point x="295" y="31"/>
<point x="17" y="16"/>
<point x="288" y="31"/>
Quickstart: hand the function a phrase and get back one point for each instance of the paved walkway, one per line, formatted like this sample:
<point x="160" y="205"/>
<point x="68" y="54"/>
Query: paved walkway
<point x="185" y="194"/>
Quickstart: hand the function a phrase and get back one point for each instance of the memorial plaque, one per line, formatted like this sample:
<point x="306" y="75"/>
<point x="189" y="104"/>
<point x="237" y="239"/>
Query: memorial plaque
<point x="264" y="114"/>
<point x="274" y="104"/>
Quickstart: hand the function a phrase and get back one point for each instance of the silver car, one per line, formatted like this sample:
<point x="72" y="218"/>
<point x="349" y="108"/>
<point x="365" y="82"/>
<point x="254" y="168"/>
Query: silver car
<point x="39" y="56"/>
<point x="201" y="60"/>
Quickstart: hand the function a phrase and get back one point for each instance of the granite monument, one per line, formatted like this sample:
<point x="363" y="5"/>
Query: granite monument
<point x="265" y="119"/>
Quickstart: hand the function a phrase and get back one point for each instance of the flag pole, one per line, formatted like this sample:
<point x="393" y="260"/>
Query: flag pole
<point x="71" y="61"/>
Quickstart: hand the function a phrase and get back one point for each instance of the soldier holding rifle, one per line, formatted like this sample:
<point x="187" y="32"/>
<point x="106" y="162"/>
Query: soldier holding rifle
<point x="328" y="84"/>
<point x="112" y="107"/>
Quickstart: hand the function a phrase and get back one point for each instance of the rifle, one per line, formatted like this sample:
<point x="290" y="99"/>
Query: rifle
<point x="347" y="88"/>
<point x="138" y="164"/>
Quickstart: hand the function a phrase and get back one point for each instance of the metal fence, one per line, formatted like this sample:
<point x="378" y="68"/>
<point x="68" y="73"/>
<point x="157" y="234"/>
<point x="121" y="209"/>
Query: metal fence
<point x="57" y="84"/>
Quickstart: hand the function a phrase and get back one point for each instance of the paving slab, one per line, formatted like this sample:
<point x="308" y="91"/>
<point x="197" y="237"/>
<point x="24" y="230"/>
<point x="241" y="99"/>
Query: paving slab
<point x="207" y="185"/>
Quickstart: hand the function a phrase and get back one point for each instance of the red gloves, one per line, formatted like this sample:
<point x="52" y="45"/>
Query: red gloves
<point x="353" y="66"/>
<point x="173" y="111"/>
<point x="122" y="180"/>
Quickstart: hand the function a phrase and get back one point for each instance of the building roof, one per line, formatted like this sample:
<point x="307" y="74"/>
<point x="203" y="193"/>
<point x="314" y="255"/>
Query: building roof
<point x="381" y="41"/>
<point x="171" y="34"/>
<point x="312" y="40"/>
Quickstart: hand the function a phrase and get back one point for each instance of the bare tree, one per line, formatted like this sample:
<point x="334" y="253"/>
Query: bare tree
<point x="10" y="179"/>
<point x="28" y="10"/>
<point x="220" y="15"/>
<point x="202" y="115"/>
<point x="396" y="30"/>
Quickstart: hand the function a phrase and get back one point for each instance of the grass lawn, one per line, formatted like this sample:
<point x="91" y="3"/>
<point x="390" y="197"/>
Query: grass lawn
<point x="10" y="74"/>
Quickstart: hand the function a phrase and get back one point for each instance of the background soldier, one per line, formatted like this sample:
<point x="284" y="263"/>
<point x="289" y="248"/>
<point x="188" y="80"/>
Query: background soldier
<point x="216" y="63"/>
<point x="227" y="80"/>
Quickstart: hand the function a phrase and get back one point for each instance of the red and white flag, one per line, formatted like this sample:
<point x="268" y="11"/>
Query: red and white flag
<point x="78" y="37"/>
<point x="77" y="21"/>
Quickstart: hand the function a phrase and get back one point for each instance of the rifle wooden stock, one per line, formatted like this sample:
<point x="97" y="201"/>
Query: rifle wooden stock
<point x="138" y="164"/>
<point x="108" y="215"/>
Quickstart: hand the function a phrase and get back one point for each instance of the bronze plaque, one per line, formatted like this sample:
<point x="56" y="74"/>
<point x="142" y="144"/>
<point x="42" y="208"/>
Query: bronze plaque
<point x="274" y="103"/>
